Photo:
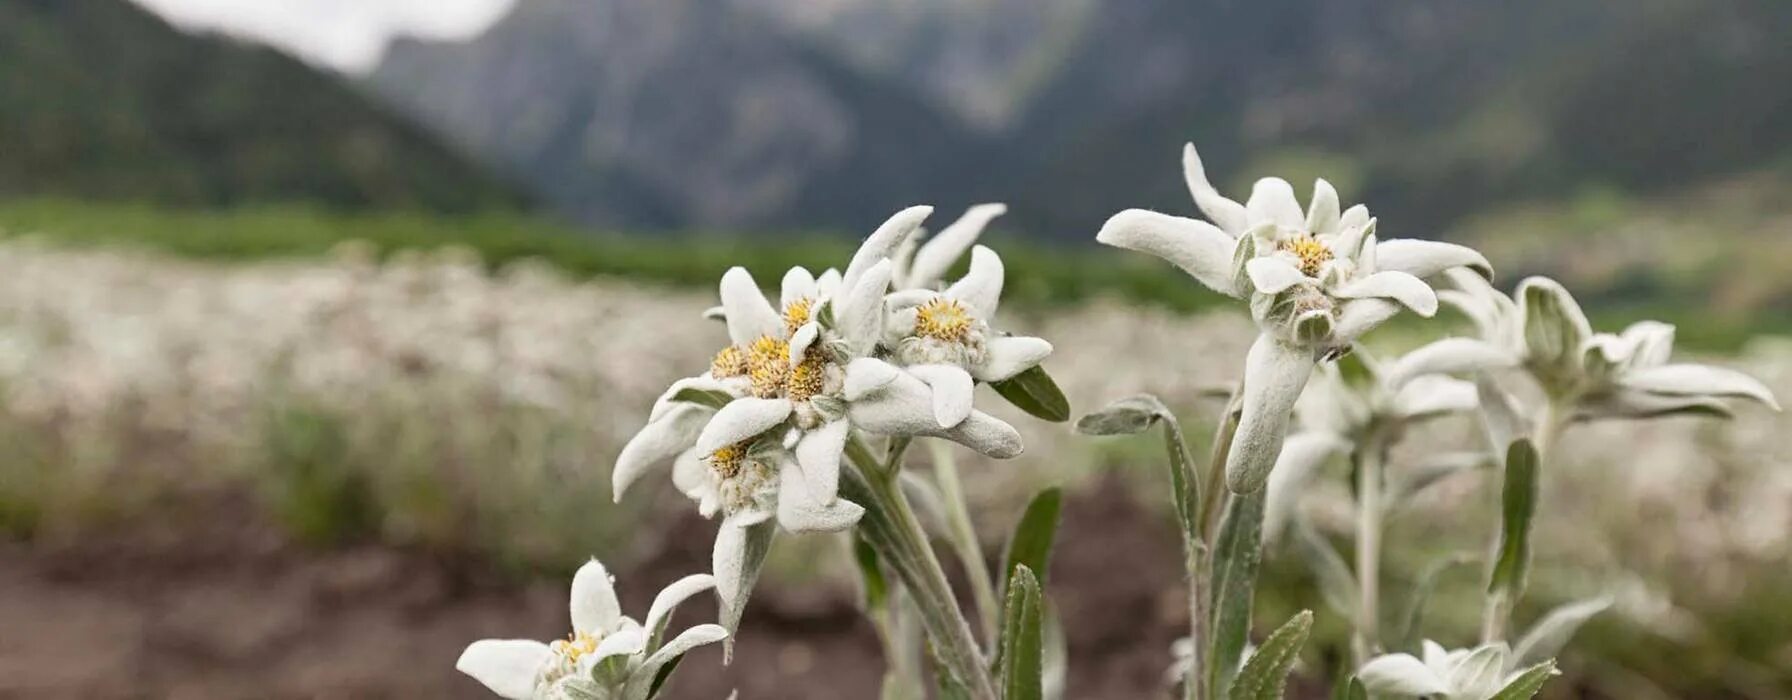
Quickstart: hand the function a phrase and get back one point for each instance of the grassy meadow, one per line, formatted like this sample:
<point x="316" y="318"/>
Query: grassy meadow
<point x="460" y="386"/>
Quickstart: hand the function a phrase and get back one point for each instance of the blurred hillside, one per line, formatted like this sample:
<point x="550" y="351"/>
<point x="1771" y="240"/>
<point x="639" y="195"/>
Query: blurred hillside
<point x="100" y="99"/>
<point x="774" y="113"/>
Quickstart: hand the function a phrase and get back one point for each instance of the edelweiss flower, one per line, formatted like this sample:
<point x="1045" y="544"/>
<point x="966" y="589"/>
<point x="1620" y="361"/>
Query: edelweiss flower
<point x="924" y="266"/>
<point x="944" y="338"/>
<point x="787" y="392"/>
<point x="1597" y="375"/>
<point x="1316" y="281"/>
<point x="1462" y="674"/>
<point x="607" y="655"/>
<point x="762" y="433"/>
<point x="1347" y="400"/>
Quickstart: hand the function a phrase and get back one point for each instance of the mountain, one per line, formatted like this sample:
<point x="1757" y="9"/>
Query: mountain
<point x="677" y="113"/>
<point x="756" y="113"/>
<point x="101" y="99"/>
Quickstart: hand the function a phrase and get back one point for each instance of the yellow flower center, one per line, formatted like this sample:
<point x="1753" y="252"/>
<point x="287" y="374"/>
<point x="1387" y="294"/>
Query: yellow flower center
<point x="727" y="461"/>
<point x="768" y="365"/>
<point x="808" y="377"/>
<point x="730" y="362"/>
<point x="797" y="313"/>
<point x="1312" y="253"/>
<point x="576" y="645"/>
<point x="943" y="319"/>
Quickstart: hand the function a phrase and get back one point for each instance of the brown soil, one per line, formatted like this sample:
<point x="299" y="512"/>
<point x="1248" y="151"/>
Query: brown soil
<point x="214" y="602"/>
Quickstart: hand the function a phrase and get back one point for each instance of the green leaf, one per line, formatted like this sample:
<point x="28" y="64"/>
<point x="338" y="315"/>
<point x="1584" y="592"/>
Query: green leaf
<point x="1266" y="673"/>
<point x="1237" y="553"/>
<point x="1350" y="689"/>
<point x="1136" y="414"/>
<point x="871" y="573"/>
<point x="1031" y="545"/>
<point x="705" y="397"/>
<point x="1528" y="682"/>
<point x="1034" y="391"/>
<point x="1518" y="504"/>
<point x="664" y="674"/>
<point x="1021" y="667"/>
<point x="1129" y="416"/>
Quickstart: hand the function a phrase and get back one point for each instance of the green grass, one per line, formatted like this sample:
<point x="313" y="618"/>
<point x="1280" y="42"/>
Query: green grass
<point x="1039" y="275"/>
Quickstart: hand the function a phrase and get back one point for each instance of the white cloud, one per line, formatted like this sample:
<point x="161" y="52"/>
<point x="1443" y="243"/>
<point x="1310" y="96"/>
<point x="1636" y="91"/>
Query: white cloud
<point x="348" y="35"/>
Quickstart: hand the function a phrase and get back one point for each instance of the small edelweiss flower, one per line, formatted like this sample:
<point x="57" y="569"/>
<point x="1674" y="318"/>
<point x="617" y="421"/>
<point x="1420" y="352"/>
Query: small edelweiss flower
<point x="924" y="266"/>
<point x="1597" y="375"/>
<point x="1345" y="401"/>
<point x="944" y="338"/>
<point x="607" y="655"/>
<point x="1316" y="281"/>
<point x="1462" y="674"/>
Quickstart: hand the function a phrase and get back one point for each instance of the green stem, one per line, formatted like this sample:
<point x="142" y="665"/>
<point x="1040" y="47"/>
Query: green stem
<point x="1365" y="639"/>
<point x="964" y="537"/>
<point x="891" y="527"/>
<point x="1496" y="615"/>
<point x="1202" y="682"/>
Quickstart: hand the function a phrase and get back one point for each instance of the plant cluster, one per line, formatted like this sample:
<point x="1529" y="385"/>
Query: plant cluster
<point x="801" y="424"/>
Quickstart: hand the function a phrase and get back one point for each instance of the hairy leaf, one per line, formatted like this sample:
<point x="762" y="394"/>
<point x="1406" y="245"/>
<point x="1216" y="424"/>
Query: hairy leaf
<point x="1034" y="391"/>
<point x="1031" y="545"/>
<point x="704" y="397"/>
<point x="1237" y="553"/>
<point x="1266" y="673"/>
<point x="1528" y="682"/>
<point x="1518" y="505"/>
<point x="1022" y="663"/>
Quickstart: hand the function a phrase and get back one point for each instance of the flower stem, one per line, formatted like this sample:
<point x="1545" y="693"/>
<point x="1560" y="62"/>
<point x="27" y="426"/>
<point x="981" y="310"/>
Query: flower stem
<point x="1496" y="615"/>
<point x="1365" y="639"/>
<point x="891" y="527"/>
<point x="1202" y="682"/>
<point x="964" y="537"/>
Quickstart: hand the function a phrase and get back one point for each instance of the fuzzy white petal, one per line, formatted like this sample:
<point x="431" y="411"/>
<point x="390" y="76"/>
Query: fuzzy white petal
<point x="1399" y="286"/>
<point x="800" y="341"/>
<point x="904" y="406"/>
<point x="1400" y="674"/>
<point x="1652" y="343"/>
<point x="1433" y="395"/>
<point x="827" y="284"/>
<point x="659" y="440"/>
<point x="1273" y="275"/>
<point x="702" y="382"/>
<point x="883" y="243"/>
<point x="628" y="641"/>
<point x="593" y="605"/>
<point x="1199" y="248"/>
<point x="1426" y="258"/>
<point x="1477" y="675"/>
<point x="641" y="679"/>
<point x="1272" y="200"/>
<point x="739" y="554"/>
<point x="1302" y="455"/>
<point x="690" y="475"/>
<point x="797" y="284"/>
<point x="801" y="510"/>
<point x="742" y="419"/>
<point x="818" y="458"/>
<point x="1322" y="212"/>
<point x="939" y="252"/>
<point x="952" y="389"/>
<point x="1555" y="328"/>
<point x="1230" y="216"/>
<point x="1275" y="372"/>
<point x="1700" y="380"/>
<point x="1447" y="356"/>
<point x="749" y="315"/>
<point x="981" y="286"/>
<point x="505" y="666"/>
<point x="860" y="317"/>
<point x="866" y="375"/>
<point x="670" y="598"/>
<point x="1359" y="316"/>
<point x="1007" y="356"/>
<point x="1354" y="217"/>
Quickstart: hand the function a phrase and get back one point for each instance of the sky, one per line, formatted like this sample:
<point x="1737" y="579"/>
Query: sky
<point x="347" y="35"/>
